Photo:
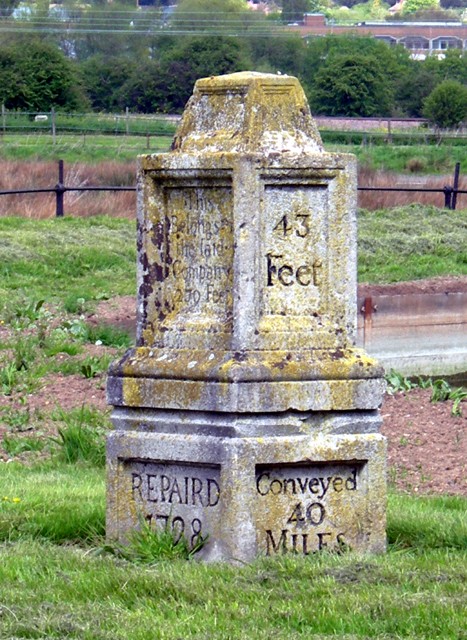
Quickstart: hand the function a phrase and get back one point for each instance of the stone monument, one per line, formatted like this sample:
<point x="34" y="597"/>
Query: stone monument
<point x="245" y="418"/>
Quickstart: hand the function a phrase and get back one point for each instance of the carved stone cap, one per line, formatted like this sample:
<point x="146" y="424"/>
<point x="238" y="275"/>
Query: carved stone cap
<point x="248" y="112"/>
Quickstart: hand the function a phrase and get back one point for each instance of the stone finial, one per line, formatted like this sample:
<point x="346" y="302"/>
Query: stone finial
<point x="248" y="112"/>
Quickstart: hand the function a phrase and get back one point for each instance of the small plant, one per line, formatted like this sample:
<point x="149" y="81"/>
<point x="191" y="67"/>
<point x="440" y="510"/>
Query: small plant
<point x="16" y="420"/>
<point x="424" y="383"/>
<point x="25" y="351"/>
<point x="77" y="328"/>
<point x="458" y="395"/>
<point x="14" y="446"/>
<point x="397" y="383"/>
<point x="109" y="336"/>
<point x="8" y="378"/>
<point x="442" y="391"/>
<point x="148" y="546"/>
<point x="91" y="367"/>
<point x="81" y="438"/>
<point x="57" y="344"/>
<point x="28" y="310"/>
<point x="75" y="304"/>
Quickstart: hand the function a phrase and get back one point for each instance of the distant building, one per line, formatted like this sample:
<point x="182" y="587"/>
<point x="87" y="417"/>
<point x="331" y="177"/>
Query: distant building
<point x="421" y="38"/>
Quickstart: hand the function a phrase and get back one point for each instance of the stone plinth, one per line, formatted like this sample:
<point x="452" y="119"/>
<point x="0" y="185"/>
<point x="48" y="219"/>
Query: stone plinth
<point x="245" y="409"/>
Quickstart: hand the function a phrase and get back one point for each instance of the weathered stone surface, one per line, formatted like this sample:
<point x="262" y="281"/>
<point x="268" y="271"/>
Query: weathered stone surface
<point x="250" y="495"/>
<point x="245" y="415"/>
<point x="248" y="112"/>
<point x="246" y="261"/>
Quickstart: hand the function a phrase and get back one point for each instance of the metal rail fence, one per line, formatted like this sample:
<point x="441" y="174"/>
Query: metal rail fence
<point x="450" y="191"/>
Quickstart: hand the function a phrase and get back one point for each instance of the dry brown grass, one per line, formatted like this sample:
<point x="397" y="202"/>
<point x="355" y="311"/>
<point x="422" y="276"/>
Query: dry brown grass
<point x="373" y="200"/>
<point x="21" y="175"/>
<point x="24" y="175"/>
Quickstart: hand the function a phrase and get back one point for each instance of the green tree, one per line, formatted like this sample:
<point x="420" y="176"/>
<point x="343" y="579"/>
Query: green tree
<point x="283" y="53"/>
<point x="454" y="66"/>
<point x="352" y="86"/>
<point x="412" y="6"/>
<point x="147" y="89"/>
<point x="103" y="78"/>
<point x="414" y="86"/>
<point x="392" y="64"/>
<point x="394" y="60"/>
<point x="36" y="76"/>
<point x="446" y="106"/>
<point x="293" y="10"/>
<point x="218" y="16"/>
<point x="167" y="84"/>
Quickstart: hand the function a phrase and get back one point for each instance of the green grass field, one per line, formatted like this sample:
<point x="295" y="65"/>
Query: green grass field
<point x="58" y="581"/>
<point x="412" y="242"/>
<point x="94" y="147"/>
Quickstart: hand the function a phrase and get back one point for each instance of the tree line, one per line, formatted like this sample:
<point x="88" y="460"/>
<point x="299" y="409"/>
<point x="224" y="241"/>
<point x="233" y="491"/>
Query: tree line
<point x="342" y="75"/>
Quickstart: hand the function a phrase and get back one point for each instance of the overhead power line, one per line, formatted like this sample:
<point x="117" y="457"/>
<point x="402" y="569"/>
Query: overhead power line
<point x="149" y="23"/>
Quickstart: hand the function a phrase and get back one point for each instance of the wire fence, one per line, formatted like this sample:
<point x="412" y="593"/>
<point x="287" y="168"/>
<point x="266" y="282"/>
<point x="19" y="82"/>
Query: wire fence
<point x="338" y="130"/>
<point x="59" y="189"/>
<point x="55" y="123"/>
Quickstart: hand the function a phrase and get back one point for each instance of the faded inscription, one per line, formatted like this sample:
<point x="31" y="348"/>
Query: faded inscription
<point x="196" y="251"/>
<point x="294" y="263"/>
<point x="308" y="509"/>
<point x="176" y="497"/>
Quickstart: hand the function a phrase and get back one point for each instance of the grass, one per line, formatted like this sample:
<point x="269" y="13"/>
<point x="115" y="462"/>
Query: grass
<point x="71" y="148"/>
<point x="58" y="581"/>
<point x="54" y="502"/>
<point x="87" y="259"/>
<point x="80" y="261"/>
<point x="409" y="243"/>
<point x="400" y="159"/>
<point x="113" y="124"/>
<point x="81" y="435"/>
<point x="429" y="522"/>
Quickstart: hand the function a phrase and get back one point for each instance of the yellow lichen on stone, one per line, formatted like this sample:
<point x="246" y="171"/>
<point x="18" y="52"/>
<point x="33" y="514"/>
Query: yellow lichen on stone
<point x="248" y="112"/>
<point x="245" y="414"/>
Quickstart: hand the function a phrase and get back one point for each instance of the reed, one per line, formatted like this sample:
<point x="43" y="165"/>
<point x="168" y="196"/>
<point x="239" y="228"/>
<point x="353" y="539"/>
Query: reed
<point x="374" y="200"/>
<point x="41" y="174"/>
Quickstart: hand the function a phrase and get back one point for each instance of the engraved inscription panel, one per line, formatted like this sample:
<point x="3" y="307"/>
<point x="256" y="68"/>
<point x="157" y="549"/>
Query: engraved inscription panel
<point x="304" y="509"/>
<point x="183" y="498"/>
<point x="196" y="252"/>
<point x="294" y="255"/>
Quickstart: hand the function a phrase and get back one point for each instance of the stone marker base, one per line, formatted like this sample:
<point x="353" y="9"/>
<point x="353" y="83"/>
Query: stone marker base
<point x="297" y="483"/>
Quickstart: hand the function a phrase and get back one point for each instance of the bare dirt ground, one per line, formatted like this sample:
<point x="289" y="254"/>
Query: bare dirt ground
<point x="427" y="445"/>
